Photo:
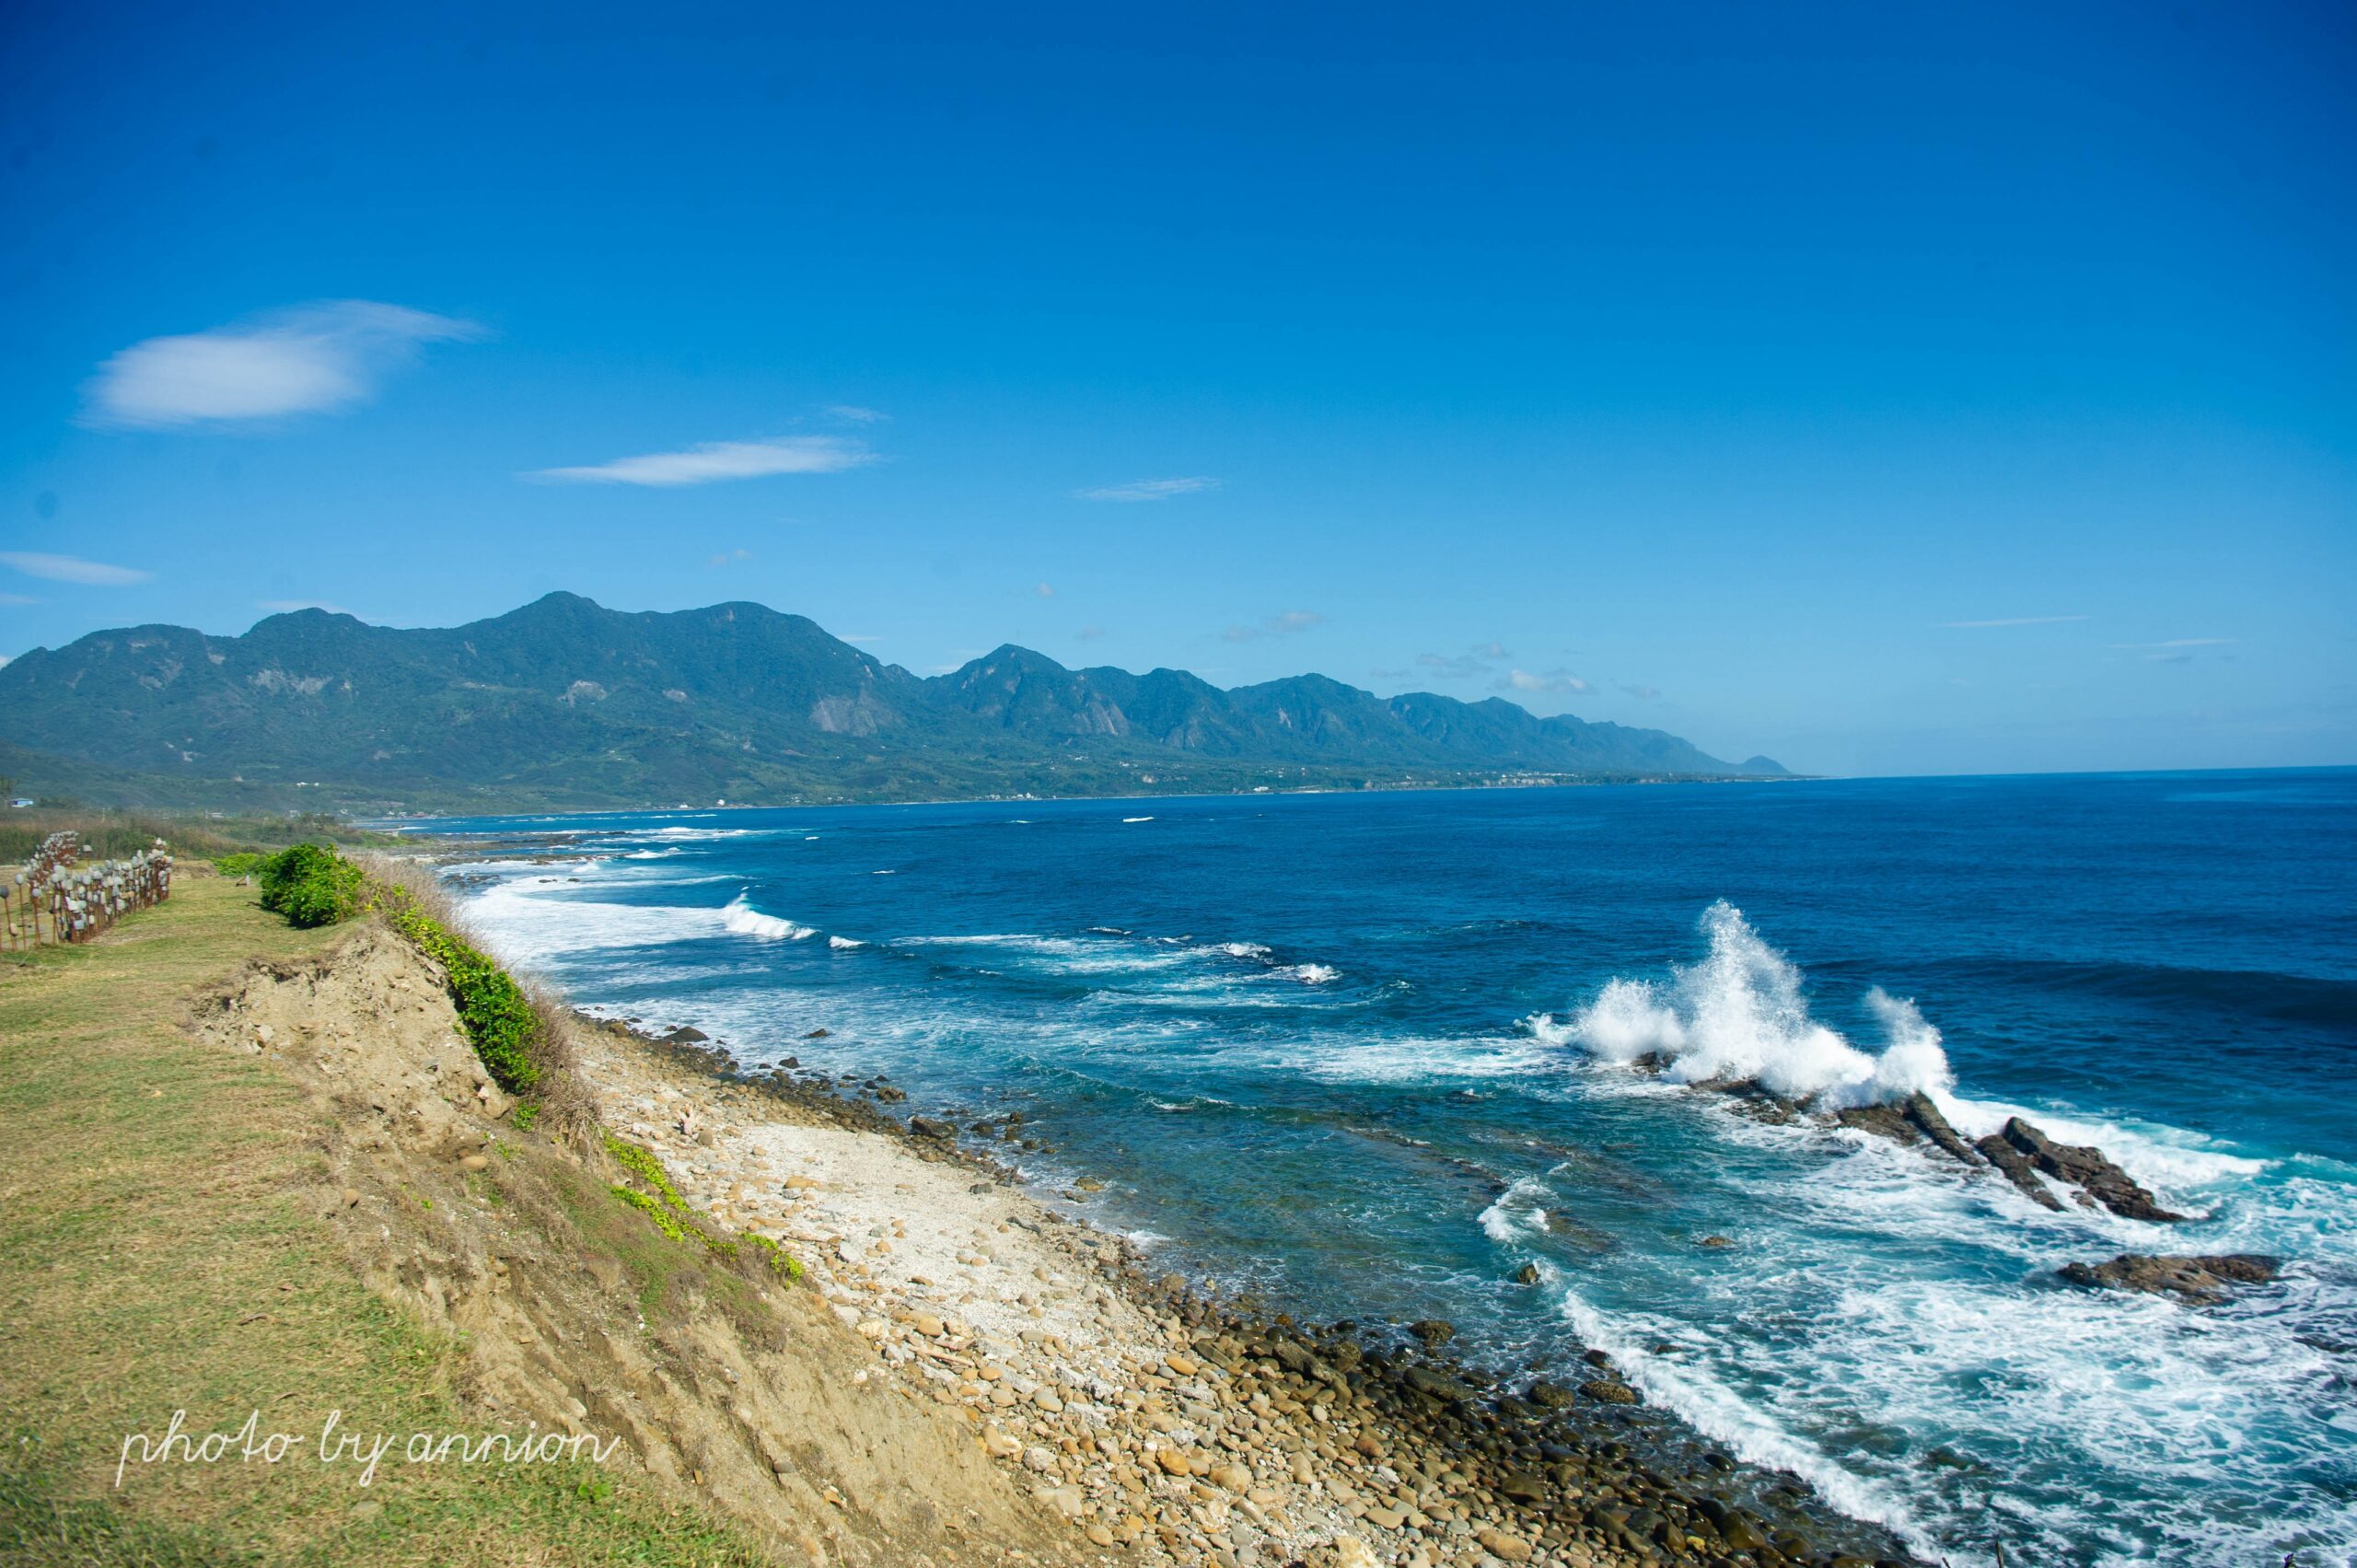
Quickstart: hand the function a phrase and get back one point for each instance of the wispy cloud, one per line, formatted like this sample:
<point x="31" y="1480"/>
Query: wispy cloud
<point x="1471" y="665"/>
<point x="868" y="637"/>
<point x="2180" y="643"/>
<point x="1089" y="634"/>
<point x="1643" y="694"/>
<point x="311" y="359"/>
<point x="73" y="569"/>
<point x="729" y="557"/>
<point x="1281" y="625"/>
<point x="1043" y="590"/>
<point x="17" y="599"/>
<point x="2011" y="620"/>
<point x="288" y="606"/>
<point x="717" y="460"/>
<point x="1554" y="684"/>
<point x="1149" y="489"/>
<point x="851" y="414"/>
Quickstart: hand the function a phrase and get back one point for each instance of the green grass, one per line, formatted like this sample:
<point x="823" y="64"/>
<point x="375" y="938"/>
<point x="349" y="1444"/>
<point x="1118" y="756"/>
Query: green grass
<point x="152" y="1259"/>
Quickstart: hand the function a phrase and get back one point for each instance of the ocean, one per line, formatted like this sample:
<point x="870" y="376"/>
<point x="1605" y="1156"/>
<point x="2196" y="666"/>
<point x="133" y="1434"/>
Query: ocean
<point x="1367" y="1056"/>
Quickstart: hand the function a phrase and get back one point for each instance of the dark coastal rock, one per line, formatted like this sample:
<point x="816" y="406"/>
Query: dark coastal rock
<point x="2195" y="1279"/>
<point x="928" y="1127"/>
<point x="2088" y="1170"/>
<point x="1526" y="1275"/>
<point x="1424" y="1381"/>
<point x="1433" y="1331"/>
<point x="1884" y="1120"/>
<point x="2018" y="1169"/>
<point x="1523" y="1486"/>
<point x="1609" y="1391"/>
<point x="1551" y="1396"/>
<point x="685" y="1034"/>
<point x="1910" y="1121"/>
<point x="1925" y="1118"/>
<point x="816" y="1034"/>
<point x="1296" y="1357"/>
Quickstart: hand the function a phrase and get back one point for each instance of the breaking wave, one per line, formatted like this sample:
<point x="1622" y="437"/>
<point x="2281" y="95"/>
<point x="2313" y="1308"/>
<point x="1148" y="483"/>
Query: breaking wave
<point x="1739" y="1015"/>
<point x="746" y="921"/>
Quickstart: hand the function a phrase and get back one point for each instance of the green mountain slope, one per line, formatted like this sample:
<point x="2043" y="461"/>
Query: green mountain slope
<point x="565" y="702"/>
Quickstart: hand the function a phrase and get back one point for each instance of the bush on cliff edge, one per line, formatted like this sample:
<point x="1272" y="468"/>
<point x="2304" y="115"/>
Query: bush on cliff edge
<point x="311" y="885"/>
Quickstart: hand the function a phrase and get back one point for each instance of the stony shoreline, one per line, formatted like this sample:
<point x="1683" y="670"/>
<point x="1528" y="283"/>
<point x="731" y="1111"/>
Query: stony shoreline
<point x="1164" y="1424"/>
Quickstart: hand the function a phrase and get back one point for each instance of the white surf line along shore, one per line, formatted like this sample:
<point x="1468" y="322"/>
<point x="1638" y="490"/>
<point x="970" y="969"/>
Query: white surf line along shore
<point x="977" y="1296"/>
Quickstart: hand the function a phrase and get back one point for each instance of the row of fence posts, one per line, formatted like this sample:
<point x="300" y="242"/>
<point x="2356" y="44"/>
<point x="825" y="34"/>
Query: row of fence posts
<point x="52" y="899"/>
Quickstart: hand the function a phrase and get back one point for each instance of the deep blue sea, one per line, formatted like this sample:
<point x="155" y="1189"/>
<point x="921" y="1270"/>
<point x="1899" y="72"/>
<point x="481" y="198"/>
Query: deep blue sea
<point x="1365" y="1053"/>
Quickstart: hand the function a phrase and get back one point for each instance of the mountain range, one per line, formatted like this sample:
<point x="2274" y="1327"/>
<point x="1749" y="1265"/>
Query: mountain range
<point x="565" y="702"/>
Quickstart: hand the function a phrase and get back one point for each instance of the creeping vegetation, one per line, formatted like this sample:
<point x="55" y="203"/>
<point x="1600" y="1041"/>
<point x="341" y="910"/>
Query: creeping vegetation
<point x="660" y="1200"/>
<point x="495" y="1013"/>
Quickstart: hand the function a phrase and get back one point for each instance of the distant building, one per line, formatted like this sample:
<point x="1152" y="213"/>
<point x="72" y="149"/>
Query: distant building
<point x="22" y="803"/>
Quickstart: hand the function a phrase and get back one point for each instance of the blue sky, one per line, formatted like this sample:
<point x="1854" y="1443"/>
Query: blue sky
<point x="1884" y="391"/>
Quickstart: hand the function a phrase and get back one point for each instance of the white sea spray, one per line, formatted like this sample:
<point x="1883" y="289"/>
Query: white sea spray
<point x="1739" y="1014"/>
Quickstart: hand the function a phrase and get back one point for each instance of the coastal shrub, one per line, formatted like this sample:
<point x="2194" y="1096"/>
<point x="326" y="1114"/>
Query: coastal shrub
<point x="523" y="1034"/>
<point x="244" y="863"/>
<point x="498" y="1018"/>
<point x="311" y="885"/>
<point x="524" y="1115"/>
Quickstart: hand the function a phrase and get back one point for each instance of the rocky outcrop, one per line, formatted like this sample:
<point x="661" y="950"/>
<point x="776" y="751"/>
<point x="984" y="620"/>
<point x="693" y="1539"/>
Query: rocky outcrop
<point x="2087" y="1169"/>
<point x="2194" y="1278"/>
<point x="2020" y="1152"/>
<point x="2019" y="1169"/>
<point x="1910" y="1121"/>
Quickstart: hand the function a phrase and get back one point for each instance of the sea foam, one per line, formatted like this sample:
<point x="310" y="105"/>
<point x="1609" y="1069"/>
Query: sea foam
<point x="1738" y="1015"/>
<point x="746" y="921"/>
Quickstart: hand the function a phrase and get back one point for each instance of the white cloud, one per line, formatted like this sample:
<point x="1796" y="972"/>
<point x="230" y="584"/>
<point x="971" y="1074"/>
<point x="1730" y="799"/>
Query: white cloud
<point x="17" y="599"/>
<point x="1643" y="694"/>
<point x="719" y="459"/>
<point x="72" y="569"/>
<point x="288" y="606"/>
<point x="851" y="414"/>
<point x="1090" y="633"/>
<point x="1044" y="591"/>
<point x="2181" y="642"/>
<point x="307" y="360"/>
<point x="1554" y="684"/>
<point x="2016" y="620"/>
<point x="727" y="557"/>
<point x="1279" y="625"/>
<point x="1149" y="489"/>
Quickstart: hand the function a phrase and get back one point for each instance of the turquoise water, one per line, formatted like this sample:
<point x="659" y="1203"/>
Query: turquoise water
<point x="1358" y="1051"/>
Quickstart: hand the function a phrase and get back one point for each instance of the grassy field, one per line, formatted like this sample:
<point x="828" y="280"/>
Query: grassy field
<point x="152" y="1260"/>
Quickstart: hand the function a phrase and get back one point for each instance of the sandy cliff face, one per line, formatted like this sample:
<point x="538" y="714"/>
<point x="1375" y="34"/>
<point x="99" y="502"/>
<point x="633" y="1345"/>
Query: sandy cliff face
<point x="727" y="1380"/>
